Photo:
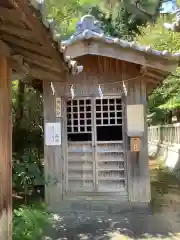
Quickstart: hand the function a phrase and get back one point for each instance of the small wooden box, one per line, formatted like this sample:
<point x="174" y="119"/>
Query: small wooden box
<point x="135" y="144"/>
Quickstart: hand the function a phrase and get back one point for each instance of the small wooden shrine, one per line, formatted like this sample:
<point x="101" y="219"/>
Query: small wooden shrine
<point x="30" y="51"/>
<point x="96" y="145"/>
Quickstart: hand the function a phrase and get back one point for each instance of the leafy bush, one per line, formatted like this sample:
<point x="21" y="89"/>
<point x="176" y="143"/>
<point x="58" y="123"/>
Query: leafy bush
<point x="29" y="222"/>
<point x="27" y="172"/>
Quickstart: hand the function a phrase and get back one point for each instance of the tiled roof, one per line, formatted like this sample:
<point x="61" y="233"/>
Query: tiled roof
<point x="89" y="28"/>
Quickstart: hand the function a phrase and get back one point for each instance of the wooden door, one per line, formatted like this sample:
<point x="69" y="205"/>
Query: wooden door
<point x="95" y="160"/>
<point x="110" y="158"/>
<point x="81" y="164"/>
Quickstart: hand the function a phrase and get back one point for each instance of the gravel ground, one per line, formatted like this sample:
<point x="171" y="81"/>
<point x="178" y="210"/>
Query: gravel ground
<point x="74" y="226"/>
<point x="162" y="222"/>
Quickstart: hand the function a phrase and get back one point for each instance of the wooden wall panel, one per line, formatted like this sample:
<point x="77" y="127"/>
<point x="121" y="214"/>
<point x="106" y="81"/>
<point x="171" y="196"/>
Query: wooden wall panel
<point x="98" y="70"/>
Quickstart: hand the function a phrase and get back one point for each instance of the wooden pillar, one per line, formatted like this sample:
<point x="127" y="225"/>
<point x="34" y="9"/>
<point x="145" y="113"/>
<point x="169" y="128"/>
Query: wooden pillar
<point x="53" y="154"/>
<point x="5" y="151"/>
<point x="138" y="174"/>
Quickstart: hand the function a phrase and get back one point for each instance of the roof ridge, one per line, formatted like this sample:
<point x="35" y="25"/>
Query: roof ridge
<point x="89" y="28"/>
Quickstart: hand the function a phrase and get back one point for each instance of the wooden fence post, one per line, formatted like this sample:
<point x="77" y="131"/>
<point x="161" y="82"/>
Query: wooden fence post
<point x="5" y="151"/>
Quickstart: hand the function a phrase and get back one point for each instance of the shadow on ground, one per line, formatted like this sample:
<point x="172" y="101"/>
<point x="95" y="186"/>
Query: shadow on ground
<point x="161" y="222"/>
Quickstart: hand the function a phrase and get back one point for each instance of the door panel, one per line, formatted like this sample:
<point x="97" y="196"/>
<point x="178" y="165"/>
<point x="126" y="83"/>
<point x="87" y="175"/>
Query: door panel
<point x="95" y="147"/>
<point x="80" y="167"/>
<point x="80" y="150"/>
<point x="109" y="145"/>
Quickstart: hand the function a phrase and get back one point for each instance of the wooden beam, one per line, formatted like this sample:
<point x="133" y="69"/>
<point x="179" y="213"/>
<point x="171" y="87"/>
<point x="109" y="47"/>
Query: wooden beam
<point x="24" y="65"/>
<point x="16" y="62"/>
<point x="158" y="72"/>
<point x="117" y="52"/>
<point x="11" y="15"/>
<point x="42" y="34"/>
<point x="5" y="151"/>
<point x="154" y="76"/>
<point x="18" y="42"/>
<point x="152" y="71"/>
<point x="48" y="67"/>
<point x="22" y="33"/>
<point x="7" y="3"/>
<point x="5" y="50"/>
<point x="44" y="74"/>
<point x="22" y="7"/>
<point x="39" y="60"/>
<point x="152" y="80"/>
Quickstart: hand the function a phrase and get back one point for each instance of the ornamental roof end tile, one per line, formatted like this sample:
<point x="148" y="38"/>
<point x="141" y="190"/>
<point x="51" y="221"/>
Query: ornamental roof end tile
<point x="89" y="28"/>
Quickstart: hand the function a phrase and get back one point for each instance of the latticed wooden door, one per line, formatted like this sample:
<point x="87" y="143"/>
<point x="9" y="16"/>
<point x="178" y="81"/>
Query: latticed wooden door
<point x="81" y="164"/>
<point x="95" y="147"/>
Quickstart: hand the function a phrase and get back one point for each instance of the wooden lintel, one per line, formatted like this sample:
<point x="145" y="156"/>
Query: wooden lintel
<point x="10" y="15"/>
<point x="150" y="87"/>
<point x="31" y="47"/>
<point x="43" y="74"/>
<point x="40" y="60"/>
<point x="5" y="151"/>
<point x="17" y="63"/>
<point x="154" y="75"/>
<point x="125" y="54"/>
<point x="5" y="50"/>
<point x="22" y="33"/>
<point x="145" y="69"/>
<point x="32" y="20"/>
<point x="41" y="33"/>
<point x="152" y="80"/>
<point x="16" y="59"/>
<point x="8" y="3"/>
<point x="158" y="72"/>
<point x="48" y="67"/>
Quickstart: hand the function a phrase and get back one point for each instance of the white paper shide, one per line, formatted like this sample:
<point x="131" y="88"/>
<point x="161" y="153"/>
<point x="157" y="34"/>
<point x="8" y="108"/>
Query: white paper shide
<point x="53" y="134"/>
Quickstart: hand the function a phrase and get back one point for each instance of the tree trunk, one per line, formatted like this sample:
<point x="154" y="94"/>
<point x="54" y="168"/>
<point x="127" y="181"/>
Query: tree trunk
<point x="178" y="115"/>
<point x="169" y="117"/>
<point x="20" y="103"/>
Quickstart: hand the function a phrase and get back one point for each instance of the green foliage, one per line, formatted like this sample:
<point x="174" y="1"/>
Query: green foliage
<point x="164" y="100"/>
<point x="27" y="138"/>
<point x="67" y="13"/>
<point x="29" y="222"/>
<point x="118" y="19"/>
<point x="27" y="172"/>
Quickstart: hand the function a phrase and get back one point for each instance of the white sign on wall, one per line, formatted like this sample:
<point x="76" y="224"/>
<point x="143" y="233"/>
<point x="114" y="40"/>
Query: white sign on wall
<point x="135" y="120"/>
<point x="53" y="134"/>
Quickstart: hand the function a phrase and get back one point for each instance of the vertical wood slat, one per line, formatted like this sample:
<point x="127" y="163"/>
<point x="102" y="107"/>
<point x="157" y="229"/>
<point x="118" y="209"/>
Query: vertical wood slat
<point x="139" y="185"/>
<point x="144" y="168"/>
<point x="125" y="140"/>
<point x="5" y="151"/>
<point x="64" y="169"/>
<point x="94" y="146"/>
<point x="129" y="100"/>
<point x="53" y="154"/>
